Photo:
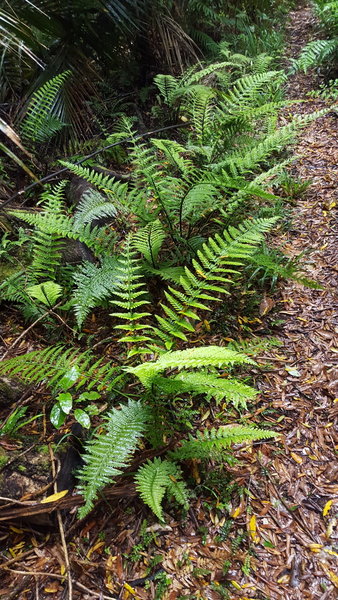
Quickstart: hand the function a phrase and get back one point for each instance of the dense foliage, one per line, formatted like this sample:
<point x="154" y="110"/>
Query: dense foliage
<point x="158" y="232"/>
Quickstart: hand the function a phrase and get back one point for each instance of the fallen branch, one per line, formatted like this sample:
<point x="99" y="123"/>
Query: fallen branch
<point x="51" y="176"/>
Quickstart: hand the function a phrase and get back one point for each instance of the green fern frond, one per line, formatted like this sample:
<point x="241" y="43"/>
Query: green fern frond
<point x="48" y="245"/>
<point x="108" y="184"/>
<point x="316" y="53"/>
<point x="43" y="119"/>
<point x="151" y="483"/>
<point x="131" y="296"/>
<point x="46" y="251"/>
<point x="94" y="284"/>
<point x="204" y="356"/>
<point x="219" y="388"/>
<point x="201" y="110"/>
<point x="173" y="152"/>
<point x="198" y="198"/>
<point x="214" y="260"/>
<point x="246" y="91"/>
<point x="157" y="477"/>
<point x="55" y="363"/>
<point x="14" y="289"/>
<point x="168" y="87"/>
<point x="108" y="455"/>
<point x="253" y="346"/>
<point x="94" y="206"/>
<point x="261" y="63"/>
<point x="207" y="444"/>
<point x="62" y="226"/>
<point x="149" y="240"/>
<point x="47" y="292"/>
<point x="196" y="75"/>
<point x="245" y="160"/>
<point x="172" y="88"/>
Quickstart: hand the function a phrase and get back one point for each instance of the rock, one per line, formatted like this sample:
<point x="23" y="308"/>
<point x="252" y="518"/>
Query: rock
<point x="11" y="391"/>
<point x="74" y="252"/>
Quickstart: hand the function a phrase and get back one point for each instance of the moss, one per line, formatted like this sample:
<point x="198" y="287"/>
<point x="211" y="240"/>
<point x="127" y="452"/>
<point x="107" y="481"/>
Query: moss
<point x="7" y="269"/>
<point x="3" y="458"/>
<point x="43" y="449"/>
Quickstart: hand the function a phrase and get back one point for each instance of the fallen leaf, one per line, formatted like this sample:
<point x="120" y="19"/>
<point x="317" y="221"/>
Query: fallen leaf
<point x="327" y="507"/>
<point x="266" y="305"/>
<point x="54" y="497"/>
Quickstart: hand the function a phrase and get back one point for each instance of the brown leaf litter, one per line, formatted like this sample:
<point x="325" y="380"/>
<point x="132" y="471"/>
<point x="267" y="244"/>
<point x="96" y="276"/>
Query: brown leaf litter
<point x="284" y="538"/>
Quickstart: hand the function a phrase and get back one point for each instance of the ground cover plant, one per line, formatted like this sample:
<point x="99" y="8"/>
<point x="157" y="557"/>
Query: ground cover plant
<point x="322" y="51"/>
<point x="219" y="166"/>
<point x="153" y="240"/>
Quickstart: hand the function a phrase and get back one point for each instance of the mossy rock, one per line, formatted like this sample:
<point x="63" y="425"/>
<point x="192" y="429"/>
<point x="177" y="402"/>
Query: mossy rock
<point x="11" y="391"/>
<point x="4" y="458"/>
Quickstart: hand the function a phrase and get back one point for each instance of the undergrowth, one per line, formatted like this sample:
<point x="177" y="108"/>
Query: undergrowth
<point x="162" y="247"/>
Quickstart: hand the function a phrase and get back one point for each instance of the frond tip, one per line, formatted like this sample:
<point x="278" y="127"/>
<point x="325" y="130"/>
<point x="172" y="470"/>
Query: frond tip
<point x="157" y="477"/>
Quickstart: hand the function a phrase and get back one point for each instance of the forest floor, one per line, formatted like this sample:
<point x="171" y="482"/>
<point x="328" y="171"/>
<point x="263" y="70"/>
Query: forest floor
<point x="281" y="539"/>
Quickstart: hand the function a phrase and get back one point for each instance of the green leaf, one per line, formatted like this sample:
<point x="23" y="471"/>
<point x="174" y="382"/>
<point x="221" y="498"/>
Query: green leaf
<point x="88" y="396"/>
<point x="57" y="416"/>
<point x="66" y="402"/>
<point x="82" y="417"/>
<point x="69" y="378"/>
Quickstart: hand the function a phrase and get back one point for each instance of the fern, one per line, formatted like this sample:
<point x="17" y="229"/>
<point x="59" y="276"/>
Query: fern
<point x="63" y="226"/>
<point x="204" y="356"/>
<point x="201" y="111"/>
<point x="210" y="385"/>
<point x="172" y="88"/>
<point x="94" y="284"/>
<point x="209" y="444"/>
<point x="245" y="160"/>
<point x="93" y="206"/>
<point x="55" y="363"/>
<point x="149" y="240"/>
<point x="215" y="259"/>
<point x="248" y="90"/>
<point x="130" y="292"/>
<point x="106" y="183"/>
<point x="168" y="87"/>
<point x="43" y="118"/>
<point x="157" y="477"/>
<point x="316" y="53"/>
<point x="197" y="199"/>
<point x="48" y="245"/>
<point x="47" y="292"/>
<point x="173" y="152"/>
<point x="107" y="455"/>
<point x="14" y="289"/>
